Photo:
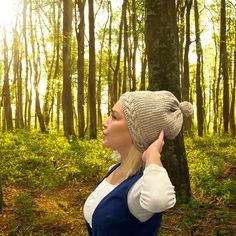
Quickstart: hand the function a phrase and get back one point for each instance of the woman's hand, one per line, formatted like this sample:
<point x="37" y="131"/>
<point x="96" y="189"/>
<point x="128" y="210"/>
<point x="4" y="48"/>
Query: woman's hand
<point x="153" y="154"/>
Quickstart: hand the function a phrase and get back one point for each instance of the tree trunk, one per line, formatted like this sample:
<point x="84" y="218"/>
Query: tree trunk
<point x="163" y="64"/>
<point x="232" y="107"/>
<point x="58" y="106"/>
<point x="37" y="99"/>
<point x="36" y="65"/>
<point x="135" y="45"/>
<point x="109" y="80"/>
<point x="30" y="92"/>
<point x="17" y="71"/>
<point x="182" y="28"/>
<point x="49" y="65"/>
<point x="67" y="93"/>
<point x="6" y="88"/>
<point x="224" y="66"/>
<point x="126" y="53"/>
<point x="185" y="80"/>
<point x="27" y="118"/>
<point x="92" y="75"/>
<point x="143" y="66"/>
<point x="38" y="111"/>
<point x="57" y="70"/>
<point x="215" y="89"/>
<point x="99" y="85"/>
<point x="3" y="124"/>
<point x="199" y="97"/>
<point x="80" y="27"/>
<point x="116" y="72"/>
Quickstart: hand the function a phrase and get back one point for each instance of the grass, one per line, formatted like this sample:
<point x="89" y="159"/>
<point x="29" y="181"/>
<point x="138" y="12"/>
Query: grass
<point x="212" y="167"/>
<point x="46" y="180"/>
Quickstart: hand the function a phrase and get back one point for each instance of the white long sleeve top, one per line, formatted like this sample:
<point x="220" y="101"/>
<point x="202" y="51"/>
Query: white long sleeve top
<point x="152" y="193"/>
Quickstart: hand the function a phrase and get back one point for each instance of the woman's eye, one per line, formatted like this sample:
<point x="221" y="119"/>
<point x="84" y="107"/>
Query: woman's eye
<point x="113" y="117"/>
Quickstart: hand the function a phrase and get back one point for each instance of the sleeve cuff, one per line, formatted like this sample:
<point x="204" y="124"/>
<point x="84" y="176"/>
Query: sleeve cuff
<point x="154" y="167"/>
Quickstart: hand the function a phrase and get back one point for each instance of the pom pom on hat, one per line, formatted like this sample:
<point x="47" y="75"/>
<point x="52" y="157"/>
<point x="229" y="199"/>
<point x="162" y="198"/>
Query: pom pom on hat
<point x="186" y="108"/>
<point x="148" y="112"/>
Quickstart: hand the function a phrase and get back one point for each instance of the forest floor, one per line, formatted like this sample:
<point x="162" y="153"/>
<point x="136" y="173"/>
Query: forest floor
<point x="32" y="210"/>
<point x="47" y="213"/>
<point x="60" y="213"/>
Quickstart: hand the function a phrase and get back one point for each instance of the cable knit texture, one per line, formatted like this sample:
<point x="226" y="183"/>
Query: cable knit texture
<point x="148" y="112"/>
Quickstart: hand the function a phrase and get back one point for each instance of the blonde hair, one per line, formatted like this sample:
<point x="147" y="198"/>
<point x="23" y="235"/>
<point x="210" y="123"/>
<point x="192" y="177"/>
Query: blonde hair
<point x="133" y="162"/>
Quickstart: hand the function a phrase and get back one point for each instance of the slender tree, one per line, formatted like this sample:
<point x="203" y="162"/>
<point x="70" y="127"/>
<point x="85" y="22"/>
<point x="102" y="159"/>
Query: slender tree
<point x="143" y="52"/>
<point x="67" y="93"/>
<point x="118" y="58"/>
<point x="6" y="87"/>
<point x="80" y="28"/>
<point x="185" y="84"/>
<point x="57" y="68"/>
<point x="199" y="97"/>
<point x="232" y="107"/>
<point x="99" y="84"/>
<point x="109" y="68"/>
<point x="56" y="85"/>
<point x="126" y="52"/>
<point x="135" y="44"/>
<point x="92" y="74"/>
<point x="50" y="59"/>
<point x="216" y="80"/>
<point x="36" y="68"/>
<point x="224" y="66"/>
<point x="182" y="28"/>
<point x="185" y="79"/>
<point x="27" y="109"/>
<point x="143" y="66"/>
<point x="163" y="64"/>
<point x="17" y="71"/>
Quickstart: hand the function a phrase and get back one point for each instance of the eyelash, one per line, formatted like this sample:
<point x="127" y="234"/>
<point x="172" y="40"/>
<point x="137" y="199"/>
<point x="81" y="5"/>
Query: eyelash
<point x="113" y="117"/>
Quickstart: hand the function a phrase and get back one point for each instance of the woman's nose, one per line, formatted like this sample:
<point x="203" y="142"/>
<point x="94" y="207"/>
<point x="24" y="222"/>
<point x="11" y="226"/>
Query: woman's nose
<point x="104" y="124"/>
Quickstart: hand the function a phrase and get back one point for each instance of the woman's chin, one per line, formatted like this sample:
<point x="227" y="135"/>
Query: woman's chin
<point x="105" y="144"/>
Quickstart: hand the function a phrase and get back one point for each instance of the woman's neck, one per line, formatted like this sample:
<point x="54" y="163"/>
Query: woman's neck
<point x="123" y="154"/>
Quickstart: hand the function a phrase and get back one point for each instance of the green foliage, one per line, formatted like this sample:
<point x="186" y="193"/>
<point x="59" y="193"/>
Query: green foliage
<point x="212" y="162"/>
<point x="46" y="180"/>
<point x="46" y="161"/>
<point x="211" y="170"/>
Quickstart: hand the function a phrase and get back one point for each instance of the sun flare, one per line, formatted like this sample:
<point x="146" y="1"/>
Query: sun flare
<point x="8" y="11"/>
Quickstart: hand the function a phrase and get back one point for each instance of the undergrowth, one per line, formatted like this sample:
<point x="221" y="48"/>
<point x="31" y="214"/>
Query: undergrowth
<point x="212" y="166"/>
<point x="46" y="161"/>
<point x="46" y="180"/>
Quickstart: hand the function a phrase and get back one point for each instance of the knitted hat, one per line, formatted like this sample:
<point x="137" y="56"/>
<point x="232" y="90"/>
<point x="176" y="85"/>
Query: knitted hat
<point x="148" y="112"/>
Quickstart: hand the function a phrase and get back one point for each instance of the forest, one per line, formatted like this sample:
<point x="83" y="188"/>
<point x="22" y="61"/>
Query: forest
<point x="64" y="64"/>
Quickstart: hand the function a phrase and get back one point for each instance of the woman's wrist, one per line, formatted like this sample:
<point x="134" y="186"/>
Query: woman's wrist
<point x="153" y="159"/>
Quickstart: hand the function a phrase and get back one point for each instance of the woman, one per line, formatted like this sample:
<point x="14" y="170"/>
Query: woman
<point x="130" y="199"/>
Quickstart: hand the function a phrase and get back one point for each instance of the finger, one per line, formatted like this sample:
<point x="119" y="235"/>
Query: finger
<point x="160" y="139"/>
<point x="161" y="135"/>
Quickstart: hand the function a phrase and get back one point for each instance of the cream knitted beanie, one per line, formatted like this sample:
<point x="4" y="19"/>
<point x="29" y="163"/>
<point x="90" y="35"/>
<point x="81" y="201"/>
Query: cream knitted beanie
<point x="148" y="112"/>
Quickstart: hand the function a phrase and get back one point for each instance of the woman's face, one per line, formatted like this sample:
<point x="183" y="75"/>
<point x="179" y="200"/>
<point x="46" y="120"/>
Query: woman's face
<point x="116" y="133"/>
